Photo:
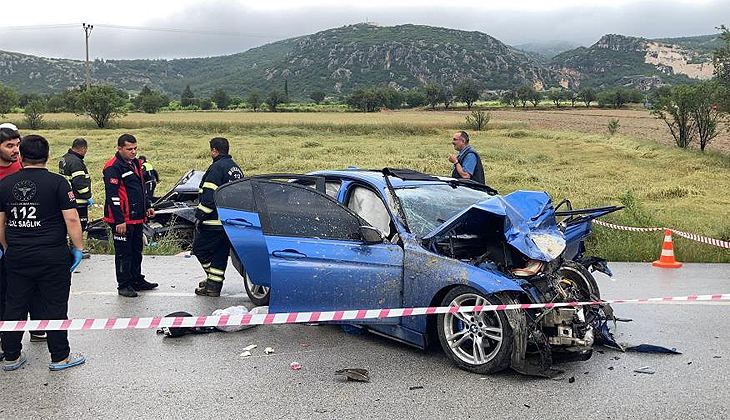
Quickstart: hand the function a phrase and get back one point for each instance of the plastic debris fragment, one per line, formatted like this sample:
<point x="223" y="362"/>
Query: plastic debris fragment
<point x="295" y="366"/>
<point x="354" y="374"/>
<point x="268" y="350"/>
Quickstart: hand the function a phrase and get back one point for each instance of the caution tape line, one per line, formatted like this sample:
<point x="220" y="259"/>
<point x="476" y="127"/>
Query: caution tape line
<point x="304" y="317"/>
<point x="691" y="236"/>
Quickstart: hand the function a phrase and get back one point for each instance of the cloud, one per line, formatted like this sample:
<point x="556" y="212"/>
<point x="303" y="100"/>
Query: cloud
<point x="578" y="24"/>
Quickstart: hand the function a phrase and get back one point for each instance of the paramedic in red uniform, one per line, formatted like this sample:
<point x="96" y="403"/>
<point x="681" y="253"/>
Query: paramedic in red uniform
<point x="126" y="209"/>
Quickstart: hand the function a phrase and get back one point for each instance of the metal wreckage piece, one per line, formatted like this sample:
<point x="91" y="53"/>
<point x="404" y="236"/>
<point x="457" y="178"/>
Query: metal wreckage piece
<point x="174" y="214"/>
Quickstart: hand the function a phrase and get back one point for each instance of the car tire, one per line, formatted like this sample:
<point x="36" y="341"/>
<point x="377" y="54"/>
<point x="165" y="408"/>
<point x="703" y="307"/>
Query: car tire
<point x="583" y="278"/>
<point x="258" y="295"/>
<point x="477" y="342"/>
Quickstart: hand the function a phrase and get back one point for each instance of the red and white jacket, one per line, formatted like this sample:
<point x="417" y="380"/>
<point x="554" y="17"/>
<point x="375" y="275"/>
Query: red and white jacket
<point x="126" y="201"/>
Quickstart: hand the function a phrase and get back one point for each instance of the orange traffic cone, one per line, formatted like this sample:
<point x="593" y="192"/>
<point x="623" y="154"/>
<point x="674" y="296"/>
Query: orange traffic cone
<point x="666" y="259"/>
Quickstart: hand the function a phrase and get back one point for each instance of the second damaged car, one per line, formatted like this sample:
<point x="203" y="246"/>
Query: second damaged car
<point x="362" y="239"/>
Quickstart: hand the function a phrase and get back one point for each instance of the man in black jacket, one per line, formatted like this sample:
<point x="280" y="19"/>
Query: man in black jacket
<point x="211" y="245"/>
<point x="126" y="209"/>
<point x="72" y="167"/>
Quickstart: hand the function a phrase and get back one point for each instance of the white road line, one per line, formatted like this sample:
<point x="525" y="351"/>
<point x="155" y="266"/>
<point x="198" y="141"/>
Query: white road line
<point x="163" y="294"/>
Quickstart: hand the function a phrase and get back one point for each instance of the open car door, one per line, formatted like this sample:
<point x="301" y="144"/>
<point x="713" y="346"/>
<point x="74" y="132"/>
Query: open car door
<point x="317" y="257"/>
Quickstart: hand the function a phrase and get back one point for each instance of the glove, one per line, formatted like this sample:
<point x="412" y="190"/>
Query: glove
<point x="1" y="254"/>
<point x="77" y="255"/>
<point x="90" y="202"/>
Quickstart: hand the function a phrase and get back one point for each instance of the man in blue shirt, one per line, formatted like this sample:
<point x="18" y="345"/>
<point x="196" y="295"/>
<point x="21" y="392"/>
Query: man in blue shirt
<point x="467" y="164"/>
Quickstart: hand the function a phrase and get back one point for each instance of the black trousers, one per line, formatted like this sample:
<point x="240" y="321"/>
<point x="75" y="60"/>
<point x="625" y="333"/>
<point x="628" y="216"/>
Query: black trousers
<point x="3" y="292"/>
<point x="83" y="211"/>
<point x="211" y="248"/>
<point x="128" y="256"/>
<point x="42" y="284"/>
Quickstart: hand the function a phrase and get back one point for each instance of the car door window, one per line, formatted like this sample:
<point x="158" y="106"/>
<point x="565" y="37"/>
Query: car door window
<point x="367" y="204"/>
<point x="299" y="211"/>
<point x="237" y="196"/>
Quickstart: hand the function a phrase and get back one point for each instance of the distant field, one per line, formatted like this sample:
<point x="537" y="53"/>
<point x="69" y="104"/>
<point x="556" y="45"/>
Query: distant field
<point x="662" y="186"/>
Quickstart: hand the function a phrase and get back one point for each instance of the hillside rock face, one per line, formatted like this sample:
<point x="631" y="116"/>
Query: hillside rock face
<point x="617" y="60"/>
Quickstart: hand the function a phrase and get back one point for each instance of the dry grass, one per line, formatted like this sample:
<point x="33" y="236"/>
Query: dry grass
<point x="662" y="185"/>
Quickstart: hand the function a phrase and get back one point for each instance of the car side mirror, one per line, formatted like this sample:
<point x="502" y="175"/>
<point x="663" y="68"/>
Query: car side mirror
<point x="371" y="235"/>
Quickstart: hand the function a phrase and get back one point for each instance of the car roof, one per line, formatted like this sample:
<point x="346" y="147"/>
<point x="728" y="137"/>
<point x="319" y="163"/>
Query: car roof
<point x="376" y="178"/>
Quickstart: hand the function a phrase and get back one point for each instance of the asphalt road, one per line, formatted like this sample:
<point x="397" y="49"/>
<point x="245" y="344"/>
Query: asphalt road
<point x="140" y="375"/>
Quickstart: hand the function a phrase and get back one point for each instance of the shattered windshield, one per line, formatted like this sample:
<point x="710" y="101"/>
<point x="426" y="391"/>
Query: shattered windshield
<point x="428" y="206"/>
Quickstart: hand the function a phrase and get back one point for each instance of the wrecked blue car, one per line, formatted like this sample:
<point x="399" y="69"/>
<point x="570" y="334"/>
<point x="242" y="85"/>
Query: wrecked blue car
<point x="366" y="239"/>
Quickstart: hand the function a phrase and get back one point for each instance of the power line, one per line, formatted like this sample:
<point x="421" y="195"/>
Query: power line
<point x="143" y="28"/>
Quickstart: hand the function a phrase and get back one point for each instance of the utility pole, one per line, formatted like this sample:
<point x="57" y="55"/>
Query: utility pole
<point x="87" y="31"/>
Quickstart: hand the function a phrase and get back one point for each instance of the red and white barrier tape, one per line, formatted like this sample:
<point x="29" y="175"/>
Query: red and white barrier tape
<point x="697" y="238"/>
<point x="302" y="317"/>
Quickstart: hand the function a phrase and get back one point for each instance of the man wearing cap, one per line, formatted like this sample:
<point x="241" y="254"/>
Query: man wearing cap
<point x="37" y="212"/>
<point x="467" y="164"/>
<point x="126" y="209"/>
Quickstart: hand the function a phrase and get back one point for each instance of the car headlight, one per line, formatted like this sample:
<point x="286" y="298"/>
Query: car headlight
<point x="551" y="245"/>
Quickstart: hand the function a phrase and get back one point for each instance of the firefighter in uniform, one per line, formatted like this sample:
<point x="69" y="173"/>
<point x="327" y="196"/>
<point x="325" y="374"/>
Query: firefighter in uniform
<point x="151" y="177"/>
<point x="37" y="211"/>
<point x="72" y="167"/>
<point x="211" y="245"/>
<point x="126" y="209"/>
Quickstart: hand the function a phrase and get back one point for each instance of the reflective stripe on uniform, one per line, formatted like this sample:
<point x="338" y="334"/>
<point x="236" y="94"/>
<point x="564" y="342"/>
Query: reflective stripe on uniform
<point x="212" y="222"/>
<point x="200" y="190"/>
<point x="78" y="173"/>
<point x="213" y="277"/>
<point x="126" y="174"/>
<point x="210" y="185"/>
<point x="84" y="190"/>
<point x="206" y="265"/>
<point x="81" y="201"/>
<point x="204" y="209"/>
<point x="216" y="271"/>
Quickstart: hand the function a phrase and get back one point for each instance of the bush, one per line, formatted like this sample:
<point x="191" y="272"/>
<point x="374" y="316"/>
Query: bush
<point x="34" y="114"/>
<point x="613" y="126"/>
<point x="478" y="120"/>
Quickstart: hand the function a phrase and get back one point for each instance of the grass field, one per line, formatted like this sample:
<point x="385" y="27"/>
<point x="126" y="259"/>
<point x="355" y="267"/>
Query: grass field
<point x="660" y="185"/>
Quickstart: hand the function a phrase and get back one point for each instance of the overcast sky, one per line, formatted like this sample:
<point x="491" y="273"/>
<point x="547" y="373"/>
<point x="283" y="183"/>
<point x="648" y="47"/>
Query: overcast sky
<point x="53" y="28"/>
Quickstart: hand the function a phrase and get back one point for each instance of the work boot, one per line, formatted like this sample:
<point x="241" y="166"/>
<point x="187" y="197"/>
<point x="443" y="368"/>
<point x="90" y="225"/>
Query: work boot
<point x="211" y="288"/>
<point x="127" y="292"/>
<point x="36" y="336"/>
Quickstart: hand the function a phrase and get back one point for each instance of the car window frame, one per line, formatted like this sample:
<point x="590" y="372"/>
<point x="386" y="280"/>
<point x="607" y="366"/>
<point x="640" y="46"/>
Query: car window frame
<point x="263" y="212"/>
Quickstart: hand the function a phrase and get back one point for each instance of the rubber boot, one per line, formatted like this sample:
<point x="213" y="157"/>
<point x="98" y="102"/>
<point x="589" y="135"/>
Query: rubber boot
<point x="211" y="288"/>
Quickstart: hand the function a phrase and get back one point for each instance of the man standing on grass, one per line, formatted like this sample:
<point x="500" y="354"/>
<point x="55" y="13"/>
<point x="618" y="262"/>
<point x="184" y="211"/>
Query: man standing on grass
<point x="37" y="212"/>
<point x="467" y="164"/>
<point x="126" y="208"/>
<point x="211" y="245"/>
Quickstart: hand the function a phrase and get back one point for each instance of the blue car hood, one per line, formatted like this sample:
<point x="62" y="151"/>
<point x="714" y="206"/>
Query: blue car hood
<point x="526" y="215"/>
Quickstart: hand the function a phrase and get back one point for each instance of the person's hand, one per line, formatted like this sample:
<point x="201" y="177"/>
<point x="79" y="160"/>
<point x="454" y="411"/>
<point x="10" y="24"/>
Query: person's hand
<point x="90" y="202"/>
<point x="452" y="158"/>
<point x="77" y="255"/>
<point x="150" y="212"/>
<point x="121" y="229"/>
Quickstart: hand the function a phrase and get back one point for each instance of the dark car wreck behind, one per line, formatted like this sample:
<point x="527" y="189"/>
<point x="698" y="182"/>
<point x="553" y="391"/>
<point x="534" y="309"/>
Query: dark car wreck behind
<point x="174" y="214"/>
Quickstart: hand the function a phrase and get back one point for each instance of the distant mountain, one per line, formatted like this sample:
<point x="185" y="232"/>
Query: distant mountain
<point x="548" y="49"/>
<point x="338" y="61"/>
<point x="617" y="60"/>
